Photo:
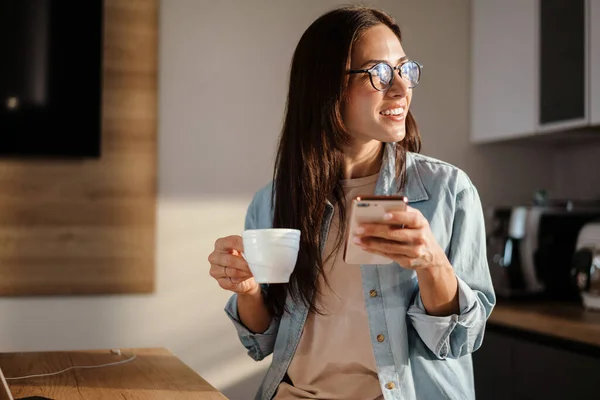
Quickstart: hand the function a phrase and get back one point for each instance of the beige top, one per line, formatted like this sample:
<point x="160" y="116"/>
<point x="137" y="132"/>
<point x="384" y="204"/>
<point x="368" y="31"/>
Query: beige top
<point x="334" y="359"/>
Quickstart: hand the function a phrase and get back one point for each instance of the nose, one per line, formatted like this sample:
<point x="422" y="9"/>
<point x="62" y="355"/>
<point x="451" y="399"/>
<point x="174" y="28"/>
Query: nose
<point x="399" y="86"/>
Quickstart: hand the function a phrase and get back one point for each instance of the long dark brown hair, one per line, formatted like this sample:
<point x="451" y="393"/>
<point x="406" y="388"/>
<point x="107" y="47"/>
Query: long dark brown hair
<point x="310" y="163"/>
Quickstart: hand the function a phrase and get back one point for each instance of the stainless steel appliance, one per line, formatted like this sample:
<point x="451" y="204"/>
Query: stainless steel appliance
<point x="585" y="266"/>
<point x="530" y="248"/>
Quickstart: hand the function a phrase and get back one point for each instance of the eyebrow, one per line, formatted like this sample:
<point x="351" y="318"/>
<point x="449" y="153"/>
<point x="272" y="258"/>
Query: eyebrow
<point x="404" y="58"/>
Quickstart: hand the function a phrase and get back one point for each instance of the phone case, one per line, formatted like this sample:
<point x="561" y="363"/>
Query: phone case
<point x="366" y="209"/>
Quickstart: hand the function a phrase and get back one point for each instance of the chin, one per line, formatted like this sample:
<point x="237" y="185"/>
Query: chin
<point x="397" y="135"/>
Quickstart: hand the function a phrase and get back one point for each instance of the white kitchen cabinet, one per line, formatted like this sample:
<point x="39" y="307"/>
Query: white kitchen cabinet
<point x="532" y="67"/>
<point x="504" y="78"/>
<point x="594" y="21"/>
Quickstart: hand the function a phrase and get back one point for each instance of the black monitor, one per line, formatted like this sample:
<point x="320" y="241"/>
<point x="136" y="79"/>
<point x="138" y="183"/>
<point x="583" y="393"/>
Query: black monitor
<point x="51" y="78"/>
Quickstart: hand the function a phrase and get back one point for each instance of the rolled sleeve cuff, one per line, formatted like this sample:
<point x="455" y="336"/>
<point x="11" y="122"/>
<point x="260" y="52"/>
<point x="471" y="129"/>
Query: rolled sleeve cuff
<point x="259" y="345"/>
<point x="436" y="331"/>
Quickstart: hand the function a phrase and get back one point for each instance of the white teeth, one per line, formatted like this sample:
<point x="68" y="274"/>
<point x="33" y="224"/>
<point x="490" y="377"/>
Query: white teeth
<point x="394" y="111"/>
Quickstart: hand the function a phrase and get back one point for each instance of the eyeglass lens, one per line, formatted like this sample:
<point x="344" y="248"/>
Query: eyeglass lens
<point x="411" y="72"/>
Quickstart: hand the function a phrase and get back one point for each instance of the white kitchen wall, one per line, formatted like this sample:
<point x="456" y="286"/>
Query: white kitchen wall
<point x="223" y="75"/>
<point x="578" y="171"/>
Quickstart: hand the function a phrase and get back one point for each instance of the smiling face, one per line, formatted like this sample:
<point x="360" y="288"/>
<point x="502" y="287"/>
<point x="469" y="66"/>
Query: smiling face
<point x="369" y="114"/>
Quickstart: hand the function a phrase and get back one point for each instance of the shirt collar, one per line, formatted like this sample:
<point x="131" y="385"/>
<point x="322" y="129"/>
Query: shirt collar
<point x="414" y="189"/>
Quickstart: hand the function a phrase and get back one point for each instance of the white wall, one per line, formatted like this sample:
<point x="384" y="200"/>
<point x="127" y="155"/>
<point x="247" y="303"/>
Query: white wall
<point x="577" y="171"/>
<point x="223" y="75"/>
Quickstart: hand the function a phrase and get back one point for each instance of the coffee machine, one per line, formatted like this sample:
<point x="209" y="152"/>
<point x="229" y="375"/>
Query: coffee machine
<point x="530" y="248"/>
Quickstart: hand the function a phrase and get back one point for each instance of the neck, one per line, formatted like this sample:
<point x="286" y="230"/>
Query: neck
<point x="363" y="160"/>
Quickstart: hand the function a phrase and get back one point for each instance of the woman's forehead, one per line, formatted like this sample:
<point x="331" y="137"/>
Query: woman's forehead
<point x="377" y="43"/>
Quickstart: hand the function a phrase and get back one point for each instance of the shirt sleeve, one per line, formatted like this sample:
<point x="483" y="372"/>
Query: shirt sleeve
<point x="259" y="345"/>
<point x="460" y="334"/>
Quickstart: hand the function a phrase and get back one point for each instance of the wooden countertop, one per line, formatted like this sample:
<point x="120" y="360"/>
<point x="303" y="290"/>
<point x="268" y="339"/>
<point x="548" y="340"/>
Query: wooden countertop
<point x="153" y="374"/>
<point x="569" y="321"/>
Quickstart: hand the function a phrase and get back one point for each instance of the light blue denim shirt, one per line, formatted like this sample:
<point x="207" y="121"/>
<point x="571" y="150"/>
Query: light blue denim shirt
<point x="422" y="357"/>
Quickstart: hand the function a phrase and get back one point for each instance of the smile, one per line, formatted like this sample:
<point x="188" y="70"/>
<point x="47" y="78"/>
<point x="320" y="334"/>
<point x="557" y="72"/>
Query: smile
<point x="393" y="111"/>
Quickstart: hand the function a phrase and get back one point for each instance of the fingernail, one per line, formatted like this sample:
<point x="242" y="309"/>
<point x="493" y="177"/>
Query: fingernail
<point x="387" y="216"/>
<point x="360" y="230"/>
<point x="356" y="240"/>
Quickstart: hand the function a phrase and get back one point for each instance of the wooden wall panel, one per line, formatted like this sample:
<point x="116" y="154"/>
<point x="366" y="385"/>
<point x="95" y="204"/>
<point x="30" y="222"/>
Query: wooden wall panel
<point x="88" y="227"/>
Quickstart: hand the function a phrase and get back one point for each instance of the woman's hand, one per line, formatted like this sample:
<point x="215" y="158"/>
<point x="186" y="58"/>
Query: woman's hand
<point x="232" y="273"/>
<point x="405" y="237"/>
<point x="228" y="267"/>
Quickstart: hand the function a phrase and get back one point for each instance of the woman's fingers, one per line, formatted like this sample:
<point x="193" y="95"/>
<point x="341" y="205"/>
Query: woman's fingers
<point x="228" y="260"/>
<point x="391" y="247"/>
<point x="228" y="267"/>
<point x="384" y="231"/>
<point x="229" y="243"/>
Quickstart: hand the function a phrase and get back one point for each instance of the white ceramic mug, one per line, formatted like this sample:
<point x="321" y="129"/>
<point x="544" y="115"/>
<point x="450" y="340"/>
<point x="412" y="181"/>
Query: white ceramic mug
<point x="271" y="254"/>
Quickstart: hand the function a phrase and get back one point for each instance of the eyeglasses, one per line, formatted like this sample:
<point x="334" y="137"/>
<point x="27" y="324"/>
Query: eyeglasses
<point x="382" y="74"/>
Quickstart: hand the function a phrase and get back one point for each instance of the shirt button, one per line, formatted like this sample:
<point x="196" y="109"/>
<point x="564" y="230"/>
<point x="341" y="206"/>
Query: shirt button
<point x="373" y="293"/>
<point x="390" y="385"/>
<point x="380" y="338"/>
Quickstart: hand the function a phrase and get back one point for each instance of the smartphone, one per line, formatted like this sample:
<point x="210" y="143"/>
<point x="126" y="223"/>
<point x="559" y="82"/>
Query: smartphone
<point x="369" y="209"/>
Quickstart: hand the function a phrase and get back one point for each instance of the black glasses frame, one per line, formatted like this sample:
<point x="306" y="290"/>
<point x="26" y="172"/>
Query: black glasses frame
<point x="396" y="68"/>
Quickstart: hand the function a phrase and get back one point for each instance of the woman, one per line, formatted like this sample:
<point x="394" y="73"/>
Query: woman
<point x="337" y="331"/>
